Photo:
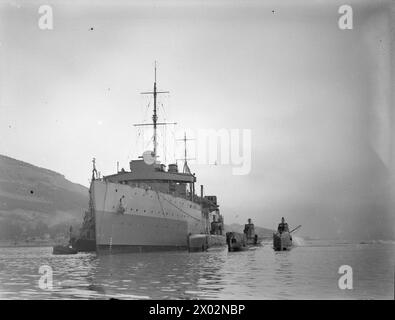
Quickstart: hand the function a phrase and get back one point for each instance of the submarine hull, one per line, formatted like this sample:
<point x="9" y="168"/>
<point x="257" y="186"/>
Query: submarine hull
<point x="282" y="241"/>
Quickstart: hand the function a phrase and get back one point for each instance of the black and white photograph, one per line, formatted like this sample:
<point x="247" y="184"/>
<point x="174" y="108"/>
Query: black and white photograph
<point x="205" y="150"/>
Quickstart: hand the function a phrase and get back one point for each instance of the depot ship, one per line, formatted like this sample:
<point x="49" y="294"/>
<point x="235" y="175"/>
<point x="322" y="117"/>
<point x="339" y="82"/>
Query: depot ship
<point x="150" y="207"/>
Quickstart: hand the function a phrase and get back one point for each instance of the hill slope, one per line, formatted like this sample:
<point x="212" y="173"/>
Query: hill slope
<point x="32" y="197"/>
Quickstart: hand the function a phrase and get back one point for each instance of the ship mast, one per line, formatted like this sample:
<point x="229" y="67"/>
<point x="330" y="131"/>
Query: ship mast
<point x="155" y="122"/>
<point x="186" y="168"/>
<point x="94" y="171"/>
<point x="155" y="116"/>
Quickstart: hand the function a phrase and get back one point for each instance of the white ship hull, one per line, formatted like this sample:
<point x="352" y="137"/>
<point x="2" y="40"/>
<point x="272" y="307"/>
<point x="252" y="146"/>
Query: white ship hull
<point x="136" y="219"/>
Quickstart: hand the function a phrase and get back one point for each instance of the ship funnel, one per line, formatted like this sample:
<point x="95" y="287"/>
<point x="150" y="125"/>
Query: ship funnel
<point x="173" y="168"/>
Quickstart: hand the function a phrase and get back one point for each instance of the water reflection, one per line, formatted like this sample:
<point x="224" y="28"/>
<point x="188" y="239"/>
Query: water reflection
<point x="173" y="275"/>
<point x="284" y="274"/>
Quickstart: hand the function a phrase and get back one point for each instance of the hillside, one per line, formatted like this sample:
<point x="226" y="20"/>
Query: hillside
<point x="33" y="200"/>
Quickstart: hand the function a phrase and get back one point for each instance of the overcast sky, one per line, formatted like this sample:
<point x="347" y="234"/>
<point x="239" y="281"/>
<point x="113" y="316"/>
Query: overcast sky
<point x="317" y="99"/>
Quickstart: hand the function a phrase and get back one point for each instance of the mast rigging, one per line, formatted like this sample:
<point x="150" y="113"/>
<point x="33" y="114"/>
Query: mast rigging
<point x="155" y="122"/>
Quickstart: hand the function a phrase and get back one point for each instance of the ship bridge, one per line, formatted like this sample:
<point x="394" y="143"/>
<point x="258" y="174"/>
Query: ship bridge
<point x="154" y="176"/>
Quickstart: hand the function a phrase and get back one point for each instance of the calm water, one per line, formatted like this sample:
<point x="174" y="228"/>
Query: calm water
<point x="309" y="271"/>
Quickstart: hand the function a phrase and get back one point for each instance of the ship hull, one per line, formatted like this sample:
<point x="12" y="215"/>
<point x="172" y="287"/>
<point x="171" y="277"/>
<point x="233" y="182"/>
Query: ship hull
<point x="85" y="245"/>
<point x="132" y="219"/>
<point x="205" y="242"/>
<point x="282" y="241"/>
<point x="110" y="249"/>
<point x="236" y="241"/>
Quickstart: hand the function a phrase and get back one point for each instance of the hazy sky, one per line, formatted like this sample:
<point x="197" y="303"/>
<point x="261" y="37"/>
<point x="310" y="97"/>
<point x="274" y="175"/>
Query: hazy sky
<point x="317" y="98"/>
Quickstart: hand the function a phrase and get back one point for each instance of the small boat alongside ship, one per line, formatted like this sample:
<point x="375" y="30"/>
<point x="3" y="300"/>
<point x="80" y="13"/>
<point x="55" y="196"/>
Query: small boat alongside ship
<point x="205" y="242"/>
<point x="237" y="241"/>
<point x="66" y="248"/>
<point x="63" y="249"/>
<point x="282" y="239"/>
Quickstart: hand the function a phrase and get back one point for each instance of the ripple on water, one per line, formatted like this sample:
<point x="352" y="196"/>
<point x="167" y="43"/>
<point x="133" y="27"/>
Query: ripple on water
<point x="308" y="271"/>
